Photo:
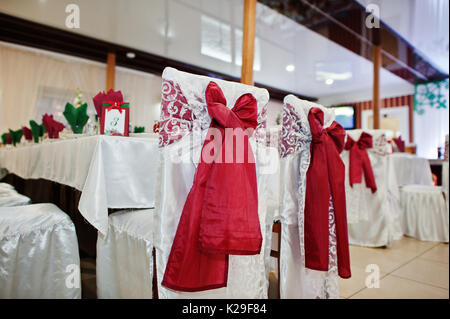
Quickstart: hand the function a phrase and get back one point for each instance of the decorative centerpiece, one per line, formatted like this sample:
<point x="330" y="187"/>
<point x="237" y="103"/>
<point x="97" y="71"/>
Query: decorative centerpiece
<point x="16" y="136"/>
<point x="37" y="130"/>
<point x="76" y="115"/>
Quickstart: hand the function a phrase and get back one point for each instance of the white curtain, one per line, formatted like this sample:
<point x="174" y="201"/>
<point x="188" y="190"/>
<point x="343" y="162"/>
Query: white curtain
<point x="143" y="91"/>
<point x="34" y="82"/>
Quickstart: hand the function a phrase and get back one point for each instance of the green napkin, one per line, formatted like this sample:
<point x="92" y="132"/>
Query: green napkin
<point x="139" y="129"/>
<point x="16" y="136"/>
<point x="37" y="130"/>
<point x="76" y="117"/>
<point x="4" y="138"/>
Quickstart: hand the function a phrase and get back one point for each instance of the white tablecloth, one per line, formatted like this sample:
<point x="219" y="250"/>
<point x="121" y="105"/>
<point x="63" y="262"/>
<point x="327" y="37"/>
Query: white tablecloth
<point x="409" y="169"/>
<point x="110" y="171"/>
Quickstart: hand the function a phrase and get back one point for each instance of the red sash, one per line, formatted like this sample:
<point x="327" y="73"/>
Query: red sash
<point x="360" y="162"/>
<point x="325" y="178"/>
<point x="220" y="216"/>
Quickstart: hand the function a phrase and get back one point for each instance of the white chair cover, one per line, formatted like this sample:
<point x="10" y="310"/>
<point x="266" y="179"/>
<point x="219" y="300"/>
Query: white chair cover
<point x="38" y="253"/>
<point x="373" y="218"/>
<point x="445" y="181"/>
<point x="425" y="213"/>
<point x="296" y="281"/>
<point x="185" y="118"/>
<point x="124" y="256"/>
<point x="9" y="197"/>
<point x="5" y="186"/>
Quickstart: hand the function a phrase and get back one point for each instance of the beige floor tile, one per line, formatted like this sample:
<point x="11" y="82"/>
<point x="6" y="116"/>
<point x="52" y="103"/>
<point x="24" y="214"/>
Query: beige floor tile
<point x="348" y="287"/>
<point x="438" y="253"/>
<point x="392" y="287"/>
<point x="412" y="245"/>
<point x="387" y="259"/>
<point x="425" y="271"/>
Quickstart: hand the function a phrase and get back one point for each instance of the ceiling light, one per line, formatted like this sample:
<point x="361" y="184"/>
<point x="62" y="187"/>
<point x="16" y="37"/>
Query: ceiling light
<point x="329" y="81"/>
<point x="290" y="67"/>
<point x="131" y="55"/>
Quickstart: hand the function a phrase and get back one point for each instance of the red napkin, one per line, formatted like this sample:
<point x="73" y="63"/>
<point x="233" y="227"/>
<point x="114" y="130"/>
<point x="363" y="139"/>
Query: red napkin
<point x="399" y="143"/>
<point x="27" y="133"/>
<point x="101" y="97"/>
<point x="51" y="126"/>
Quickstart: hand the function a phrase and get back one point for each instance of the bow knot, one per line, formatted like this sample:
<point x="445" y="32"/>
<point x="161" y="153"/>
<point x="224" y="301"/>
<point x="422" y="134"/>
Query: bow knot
<point x="334" y="131"/>
<point x="360" y="162"/>
<point x="115" y="105"/>
<point x="243" y="113"/>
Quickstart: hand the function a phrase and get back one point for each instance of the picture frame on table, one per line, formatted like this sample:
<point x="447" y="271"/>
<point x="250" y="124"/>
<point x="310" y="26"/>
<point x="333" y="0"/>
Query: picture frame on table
<point x="115" y="120"/>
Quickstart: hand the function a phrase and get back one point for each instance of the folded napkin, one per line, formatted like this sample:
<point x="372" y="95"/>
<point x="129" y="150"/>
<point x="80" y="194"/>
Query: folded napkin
<point x="6" y="138"/>
<point x="27" y="133"/>
<point x="76" y="117"/>
<point x="102" y="97"/>
<point x="399" y="143"/>
<point x="16" y="136"/>
<point x="139" y="129"/>
<point x="51" y="126"/>
<point x="37" y="130"/>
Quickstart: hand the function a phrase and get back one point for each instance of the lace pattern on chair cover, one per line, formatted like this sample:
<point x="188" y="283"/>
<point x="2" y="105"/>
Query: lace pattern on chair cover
<point x="321" y="284"/>
<point x="294" y="135"/>
<point x="178" y="117"/>
<point x="379" y="145"/>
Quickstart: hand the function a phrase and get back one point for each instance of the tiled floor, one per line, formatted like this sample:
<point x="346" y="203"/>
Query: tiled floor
<point x="409" y="269"/>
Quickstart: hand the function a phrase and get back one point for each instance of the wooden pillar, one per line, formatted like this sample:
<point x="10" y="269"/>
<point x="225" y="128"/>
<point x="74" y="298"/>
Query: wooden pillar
<point x="248" y="41"/>
<point x="376" y="55"/>
<point x="110" y="71"/>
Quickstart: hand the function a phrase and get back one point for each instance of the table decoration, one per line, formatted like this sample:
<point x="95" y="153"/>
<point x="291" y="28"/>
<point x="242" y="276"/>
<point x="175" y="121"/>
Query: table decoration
<point x="37" y="130"/>
<point x="139" y="129"/>
<point x="115" y="118"/>
<point x="16" y="136"/>
<point x="52" y="126"/>
<point x="27" y="133"/>
<point x="102" y="97"/>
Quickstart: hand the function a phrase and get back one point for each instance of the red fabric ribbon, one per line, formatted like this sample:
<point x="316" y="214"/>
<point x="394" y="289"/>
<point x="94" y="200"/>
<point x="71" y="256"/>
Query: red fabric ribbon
<point x="360" y="162"/>
<point x="324" y="180"/>
<point x="220" y="216"/>
<point x="399" y="143"/>
<point x="115" y="105"/>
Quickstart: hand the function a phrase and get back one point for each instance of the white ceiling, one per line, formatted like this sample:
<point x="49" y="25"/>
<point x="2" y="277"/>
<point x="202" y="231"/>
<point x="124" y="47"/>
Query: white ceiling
<point x="207" y="33"/>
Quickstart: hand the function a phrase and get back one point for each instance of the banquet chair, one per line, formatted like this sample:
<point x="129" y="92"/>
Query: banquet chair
<point x="9" y="197"/>
<point x="296" y="280"/>
<point x="373" y="217"/>
<point x="425" y="213"/>
<point x="39" y="255"/>
<point x="183" y="125"/>
<point x="125" y="256"/>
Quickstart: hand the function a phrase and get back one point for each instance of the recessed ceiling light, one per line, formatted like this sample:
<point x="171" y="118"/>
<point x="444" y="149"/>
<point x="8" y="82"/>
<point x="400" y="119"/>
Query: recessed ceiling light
<point x="290" y="67"/>
<point x="131" y="55"/>
<point x="329" y="81"/>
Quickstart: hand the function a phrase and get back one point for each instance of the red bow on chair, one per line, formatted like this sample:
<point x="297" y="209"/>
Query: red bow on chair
<point x="360" y="162"/>
<point x="220" y="216"/>
<point x="324" y="183"/>
<point x="399" y="143"/>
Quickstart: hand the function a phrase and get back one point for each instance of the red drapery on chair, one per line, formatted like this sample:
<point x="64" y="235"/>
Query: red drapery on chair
<point x="325" y="178"/>
<point x="220" y="216"/>
<point x="360" y="162"/>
